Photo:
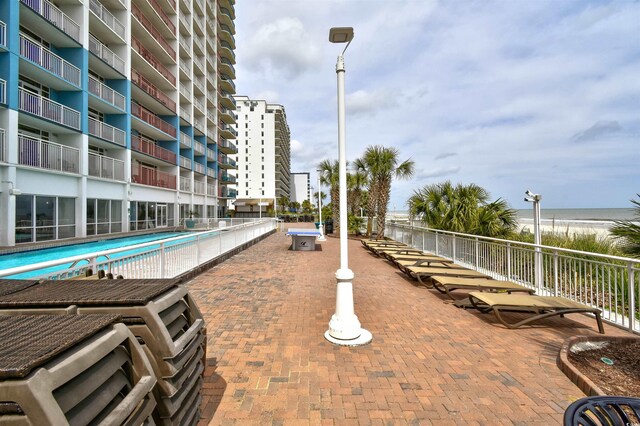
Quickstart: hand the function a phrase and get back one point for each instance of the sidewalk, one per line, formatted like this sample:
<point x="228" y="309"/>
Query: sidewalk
<point x="267" y="309"/>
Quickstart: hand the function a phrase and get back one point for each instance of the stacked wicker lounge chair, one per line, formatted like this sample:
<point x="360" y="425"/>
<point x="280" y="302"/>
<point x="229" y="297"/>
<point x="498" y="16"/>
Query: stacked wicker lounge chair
<point x="78" y="370"/>
<point x="160" y="313"/>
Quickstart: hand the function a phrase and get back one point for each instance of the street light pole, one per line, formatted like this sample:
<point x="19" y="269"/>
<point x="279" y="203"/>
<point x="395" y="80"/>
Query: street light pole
<point x="320" y="225"/>
<point x="344" y="326"/>
<point x="537" y="237"/>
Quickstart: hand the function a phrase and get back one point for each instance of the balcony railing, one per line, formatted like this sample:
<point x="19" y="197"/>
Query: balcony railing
<point x="106" y="167"/>
<point x="199" y="147"/>
<point x="198" y="104"/>
<point x="226" y="11"/>
<point x="227" y="128"/>
<point x="227" y="146"/>
<point x="105" y="131"/>
<point x="48" y="109"/>
<point x="149" y="147"/>
<point x="211" y="154"/>
<point x="107" y="17"/>
<point x="228" y="63"/>
<point x="149" y="176"/>
<point x="140" y="81"/>
<point x="155" y="33"/>
<point x="185" y="90"/>
<point x="149" y="117"/>
<point x="3" y="91"/>
<point x="51" y="13"/>
<point x="3" y="148"/>
<point x="48" y="60"/>
<point x="106" y="93"/>
<point x="165" y="18"/>
<point x="199" y="124"/>
<point x="186" y="115"/>
<point x="199" y="82"/>
<point x="198" y="41"/>
<point x="186" y="140"/>
<point x="198" y="187"/>
<point x="152" y="60"/>
<point x="185" y="65"/>
<point x="47" y="155"/>
<point x="228" y="179"/>
<point x="186" y="22"/>
<point x="226" y="28"/>
<point x="211" y="172"/>
<point x="3" y="34"/>
<point x="185" y="184"/>
<point x="103" y="52"/>
<point x="211" y="190"/>
<point x="228" y="81"/>
<point x="185" y="162"/>
<point x="199" y="168"/>
<point x="223" y="159"/>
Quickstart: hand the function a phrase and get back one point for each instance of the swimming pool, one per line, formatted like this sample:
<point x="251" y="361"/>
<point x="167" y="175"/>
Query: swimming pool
<point x="14" y="260"/>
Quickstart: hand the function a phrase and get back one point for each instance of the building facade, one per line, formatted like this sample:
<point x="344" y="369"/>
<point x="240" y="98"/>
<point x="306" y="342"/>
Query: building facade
<point x="263" y="158"/>
<point x="300" y="187"/>
<point x="114" y="115"/>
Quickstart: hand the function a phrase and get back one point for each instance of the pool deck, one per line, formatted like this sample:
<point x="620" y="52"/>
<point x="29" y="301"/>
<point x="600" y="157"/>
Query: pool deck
<point x="268" y="363"/>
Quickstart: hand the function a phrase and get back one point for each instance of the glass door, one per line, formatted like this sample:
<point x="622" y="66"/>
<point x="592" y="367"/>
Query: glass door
<point x="161" y="216"/>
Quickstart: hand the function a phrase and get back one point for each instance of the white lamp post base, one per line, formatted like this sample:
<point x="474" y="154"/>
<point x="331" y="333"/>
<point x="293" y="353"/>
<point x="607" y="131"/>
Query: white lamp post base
<point x="344" y="327"/>
<point x="364" y="339"/>
<point x="321" y="237"/>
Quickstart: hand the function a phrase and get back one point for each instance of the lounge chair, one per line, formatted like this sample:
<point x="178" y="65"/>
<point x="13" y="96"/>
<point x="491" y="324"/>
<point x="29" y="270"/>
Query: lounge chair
<point x="445" y="284"/>
<point x="541" y="306"/>
<point x="421" y="272"/>
<point x="603" y="410"/>
<point x="381" y="246"/>
<point x="366" y="242"/>
<point x="425" y="261"/>
<point x="382" y="251"/>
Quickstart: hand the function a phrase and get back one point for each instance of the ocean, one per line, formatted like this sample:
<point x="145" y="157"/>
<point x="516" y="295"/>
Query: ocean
<point x="579" y="214"/>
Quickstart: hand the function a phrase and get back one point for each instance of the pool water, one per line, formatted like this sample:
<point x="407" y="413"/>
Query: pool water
<point x="17" y="259"/>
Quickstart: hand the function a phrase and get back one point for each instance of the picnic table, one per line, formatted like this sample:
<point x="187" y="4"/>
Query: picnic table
<point x="303" y="238"/>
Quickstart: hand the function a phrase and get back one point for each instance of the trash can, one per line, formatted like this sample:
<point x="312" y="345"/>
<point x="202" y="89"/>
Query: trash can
<point x="317" y="225"/>
<point x="328" y="226"/>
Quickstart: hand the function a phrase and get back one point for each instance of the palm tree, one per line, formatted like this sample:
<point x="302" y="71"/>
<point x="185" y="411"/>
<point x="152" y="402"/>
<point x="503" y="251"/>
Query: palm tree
<point x="283" y="202"/>
<point x="329" y="176"/>
<point x="627" y="232"/>
<point x="356" y="182"/>
<point x="381" y="165"/>
<point x="462" y="208"/>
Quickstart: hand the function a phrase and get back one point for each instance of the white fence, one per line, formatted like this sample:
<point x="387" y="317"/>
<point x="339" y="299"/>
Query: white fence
<point x="165" y="259"/>
<point x="609" y="283"/>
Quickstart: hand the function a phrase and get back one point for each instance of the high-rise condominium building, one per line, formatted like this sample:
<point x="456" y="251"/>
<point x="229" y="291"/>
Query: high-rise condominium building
<point x="114" y="115"/>
<point x="300" y="187"/>
<point x="263" y="158"/>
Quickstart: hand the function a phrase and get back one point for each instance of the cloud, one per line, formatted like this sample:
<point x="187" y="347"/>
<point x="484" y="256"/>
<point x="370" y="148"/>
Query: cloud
<point x="598" y="130"/>
<point x="445" y="155"/>
<point x="271" y="96"/>
<point x="282" y="46"/>
<point x="437" y="172"/>
<point x="363" y="102"/>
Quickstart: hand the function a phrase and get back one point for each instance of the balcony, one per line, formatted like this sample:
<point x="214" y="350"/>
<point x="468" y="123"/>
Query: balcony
<point x="157" y="8"/>
<point x="149" y="88"/>
<point x="228" y="193"/>
<point x="228" y="116"/>
<point x="152" y="60"/>
<point x="185" y="90"/>
<point x="199" y="168"/>
<point x="225" y="33"/>
<point x="105" y="167"/>
<point x="48" y="109"/>
<point x="198" y="187"/>
<point x="41" y="154"/>
<point x="185" y="66"/>
<point x="150" y="118"/>
<point x="149" y="147"/>
<point x="185" y="163"/>
<point x="106" y="93"/>
<point x="107" y="18"/>
<point x="103" y="52"/>
<point x="199" y="105"/>
<point x="3" y="148"/>
<point x="211" y="155"/>
<point x="185" y="184"/>
<point x="149" y="176"/>
<point x="105" y="131"/>
<point x="199" y="124"/>
<point x="211" y="116"/>
<point x="185" y="140"/>
<point x="226" y="83"/>
<point x="199" y="43"/>
<point x="211" y="190"/>
<point x="57" y="17"/>
<point x="155" y="33"/>
<point x="3" y="35"/>
<point x="226" y="162"/>
<point x="226" y="66"/>
<point x="200" y="67"/>
<point x="48" y="60"/>
<point x="226" y="16"/>
<point x="227" y="131"/>
<point x="199" y="82"/>
<point x="186" y="115"/>
<point x="3" y="91"/>
<point x="228" y="179"/>
<point x="227" y="100"/>
<point x="199" y="24"/>
<point x="226" y="51"/>
<point x="185" y="22"/>
<point x="199" y="148"/>
<point x="227" y="147"/>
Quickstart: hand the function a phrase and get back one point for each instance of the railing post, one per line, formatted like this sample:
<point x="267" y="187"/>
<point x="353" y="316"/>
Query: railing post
<point x="632" y="296"/>
<point x="453" y="247"/>
<point x="509" y="261"/>
<point x="555" y="273"/>
<point x="477" y="252"/>
<point x="163" y="263"/>
<point x="437" y="245"/>
<point x="198" y="250"/>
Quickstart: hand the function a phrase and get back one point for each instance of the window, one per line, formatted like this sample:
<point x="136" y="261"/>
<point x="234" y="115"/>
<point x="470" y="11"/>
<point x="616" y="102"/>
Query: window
<point x="262" y="134"/>
<point x="43" y="218"/>
<point x="263" y="150"/>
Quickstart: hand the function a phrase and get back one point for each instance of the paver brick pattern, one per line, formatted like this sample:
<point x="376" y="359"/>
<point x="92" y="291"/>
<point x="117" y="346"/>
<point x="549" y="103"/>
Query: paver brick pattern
<point x="268" y="363"/>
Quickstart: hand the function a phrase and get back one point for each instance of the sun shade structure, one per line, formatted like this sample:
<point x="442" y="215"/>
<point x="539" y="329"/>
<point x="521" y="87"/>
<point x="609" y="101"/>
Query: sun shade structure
<point x="69" y="369"/>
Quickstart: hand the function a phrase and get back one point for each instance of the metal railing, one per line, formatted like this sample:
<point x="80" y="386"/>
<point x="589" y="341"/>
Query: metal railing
<point x="609" y="283"/>
<point x="157" y="259"/>
<point x="163" y="15"/>
<point x="149" y="147"/>
<point x="211" y="172"/>
<point x="48" y="60"/>
<point x="186" y="114"/>
<point x="199" y="124"/>
<point x="155" y="33"/>
<point x="185" y="184"/>
<point x="148" y="56"/>
<point x="106" y="131"/>
<point x="142" y="82"/>
<point x="107" y="17"/>
<point x="198" y="187"/>
<point x="211" y="190"/>
<point x="150" y="118"/>
<point x="186" y="140"/>
<point x="57" y="17"/>
<point x="3" y="91"/>
<point x="199" y="168"/>
<point x="3" y="34"/>
<point x="198" y="104"/>
<point x="211" y="154"/>
<point x="106" y="167"/>
<point x="42" y="154"/>
<point x="3" y="147"/>
<point x="199" y="147"/>
<point x="48" y="109"/>
<point x="185" y="162"/>
<point x="106" y="93"/>
<point x="149" y="176"/>
<point x="103" y="52"/>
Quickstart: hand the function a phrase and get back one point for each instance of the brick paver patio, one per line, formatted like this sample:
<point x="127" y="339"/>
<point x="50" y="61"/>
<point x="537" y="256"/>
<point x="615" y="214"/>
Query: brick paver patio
<point x="267" y="309"/>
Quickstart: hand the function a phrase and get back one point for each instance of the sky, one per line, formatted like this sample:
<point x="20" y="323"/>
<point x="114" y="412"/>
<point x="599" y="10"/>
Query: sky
<point x="512" y="95"/>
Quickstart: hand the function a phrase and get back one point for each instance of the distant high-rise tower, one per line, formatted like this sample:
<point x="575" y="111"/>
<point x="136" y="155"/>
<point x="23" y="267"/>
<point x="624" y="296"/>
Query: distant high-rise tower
<point x="264" y="156"/>
<point x="114" y="115"/>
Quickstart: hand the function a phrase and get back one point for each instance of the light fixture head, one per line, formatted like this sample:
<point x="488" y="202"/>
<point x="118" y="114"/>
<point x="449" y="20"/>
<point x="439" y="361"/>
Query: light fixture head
<point x="15" y="191"/>
<point x="529" y="193"/>
<point x="341" y="34"/>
